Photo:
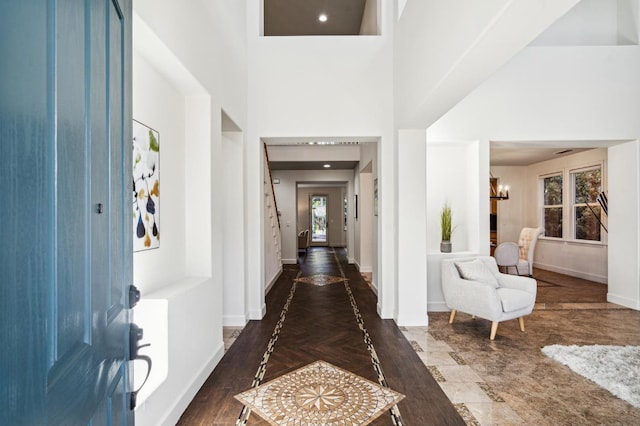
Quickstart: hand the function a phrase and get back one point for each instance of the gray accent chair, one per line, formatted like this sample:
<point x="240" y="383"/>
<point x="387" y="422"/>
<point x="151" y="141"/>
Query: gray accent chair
<point x="495" y="296"/>
<point x="507" y="256"/>
<point x="303" y="241"/>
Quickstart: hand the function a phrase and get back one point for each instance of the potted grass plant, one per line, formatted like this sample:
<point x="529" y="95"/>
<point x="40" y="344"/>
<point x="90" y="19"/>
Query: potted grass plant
<point x="445" y="227"/>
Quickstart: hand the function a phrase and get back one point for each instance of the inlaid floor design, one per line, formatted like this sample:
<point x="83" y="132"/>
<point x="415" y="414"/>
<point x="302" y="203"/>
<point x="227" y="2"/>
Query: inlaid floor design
<point x="337" y="323"/>
<point x="346" y="398"/>
<point x="509" y="381"/>
<point x="320" y="394"/>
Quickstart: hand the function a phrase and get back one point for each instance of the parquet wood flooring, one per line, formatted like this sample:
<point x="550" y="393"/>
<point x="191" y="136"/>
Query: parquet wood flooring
<point x="320" y="325"/>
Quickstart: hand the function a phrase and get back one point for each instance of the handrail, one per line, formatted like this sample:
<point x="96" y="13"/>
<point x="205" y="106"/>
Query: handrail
<point x="275" y="203"/>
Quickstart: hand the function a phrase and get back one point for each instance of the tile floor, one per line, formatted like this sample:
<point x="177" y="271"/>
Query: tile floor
<point x="476" y="401"/>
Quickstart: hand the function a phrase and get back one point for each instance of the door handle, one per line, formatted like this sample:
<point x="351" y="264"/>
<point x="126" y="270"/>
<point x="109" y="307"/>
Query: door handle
<point x="134" y="296"/>
<point x="135" y="335"/>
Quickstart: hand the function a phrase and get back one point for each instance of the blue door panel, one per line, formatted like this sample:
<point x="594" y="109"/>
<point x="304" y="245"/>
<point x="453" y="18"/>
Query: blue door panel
<point x="113" y="409"/>
<point x="70" y="326"/>
<point x="25" y="211"/>
<point x="116" y="52"/>
<point x="65" y="262"/>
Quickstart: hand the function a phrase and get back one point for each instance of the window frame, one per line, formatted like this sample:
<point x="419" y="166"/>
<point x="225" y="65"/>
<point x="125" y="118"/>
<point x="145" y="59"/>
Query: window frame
<point x="568" y="202"/>
<point x="541" y="179"/>
<point x="573" y="205"/>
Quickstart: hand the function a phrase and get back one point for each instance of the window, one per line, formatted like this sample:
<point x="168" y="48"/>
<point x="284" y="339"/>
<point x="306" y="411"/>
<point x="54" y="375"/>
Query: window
<point x="552" y="186"/>
<point x="587" y="184"/>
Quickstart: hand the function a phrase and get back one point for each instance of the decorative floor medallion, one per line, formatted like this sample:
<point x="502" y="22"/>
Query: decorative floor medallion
<point x="320" y="280"/>
<point x="319" y="394"/>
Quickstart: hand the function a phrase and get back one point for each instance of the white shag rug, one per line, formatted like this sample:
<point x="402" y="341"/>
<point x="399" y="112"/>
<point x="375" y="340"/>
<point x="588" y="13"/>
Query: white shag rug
<point x="615" y="368"/>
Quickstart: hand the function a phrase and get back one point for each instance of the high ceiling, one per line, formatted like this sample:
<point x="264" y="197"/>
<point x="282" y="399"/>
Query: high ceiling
<point x="526" y="153"/>
<point x="300" y="17"/>
<point x="312" y="165"/>
<point x="344" y="17"/>
<point x="524" y="156"/>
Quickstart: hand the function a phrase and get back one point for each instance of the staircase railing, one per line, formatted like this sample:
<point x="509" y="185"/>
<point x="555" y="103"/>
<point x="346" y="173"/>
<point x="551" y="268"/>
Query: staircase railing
<point x="275" y="202"/>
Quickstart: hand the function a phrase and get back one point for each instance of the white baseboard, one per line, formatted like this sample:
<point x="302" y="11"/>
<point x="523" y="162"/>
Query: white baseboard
<point x="374" y="288"/>
<point x="289" y="261"/>
<point x="234" y="320"/>
<point x="573" y="273"/>
<point x="361" y="268"/>
<point x="183" y="401"/>
<point x="406" y="321"/>
<point x="623" y="301"/>
<point x="258" y="314"/>
<point x="267" y="289"/>
<point x="437" y="307"/>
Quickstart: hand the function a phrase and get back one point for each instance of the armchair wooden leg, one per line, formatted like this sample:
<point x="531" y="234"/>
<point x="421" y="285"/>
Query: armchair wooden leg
<point x="521" y="321"/>
<point x="452" y="316"/>
<point x="494" y="329"/>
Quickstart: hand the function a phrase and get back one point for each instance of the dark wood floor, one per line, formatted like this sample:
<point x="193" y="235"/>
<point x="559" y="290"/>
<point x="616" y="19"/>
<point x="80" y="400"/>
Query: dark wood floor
<point x="321" y="325"/>
<point x="558" y="288"/>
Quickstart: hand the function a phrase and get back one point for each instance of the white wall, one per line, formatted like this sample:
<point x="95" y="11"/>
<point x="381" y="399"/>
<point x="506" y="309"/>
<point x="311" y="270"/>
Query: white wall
<point x="511" y="212"/>
<point x="628" y="21"/>
<point x="579" y="93"/>
<point x="555" y="94"/>
<point x="624" y="225"/>
<point x="370" y="22"/>
<point x="585" y="260"/>
<point x="286" y="195"/>
<point x="321" y="87"/>
<point x="272" y="232"/>
<point x="156" y="268"/>
<point x="457" y="173"/>
<point x="336" y="233"/>
<point x="354" y="255"/>
<point x="412" y="228"/>
<point x="234" y="313"/>
<point x="326" y="153"/>
<point x="171" y="37"/>
<point x="590" y="23"/>
<point x="172" y="299"/>
<point x="452" y="177"/>
<point x="588" y="261"/>
<point x="431" y="76"/>
<point x="367" y="223"/>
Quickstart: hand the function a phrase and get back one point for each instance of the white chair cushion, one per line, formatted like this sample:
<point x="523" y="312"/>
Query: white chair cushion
<point x="476" y="270"/>
<point x="513" y="299"/>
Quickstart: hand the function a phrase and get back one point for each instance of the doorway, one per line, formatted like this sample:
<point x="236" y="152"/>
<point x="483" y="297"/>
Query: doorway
<point x="319" y="224"/>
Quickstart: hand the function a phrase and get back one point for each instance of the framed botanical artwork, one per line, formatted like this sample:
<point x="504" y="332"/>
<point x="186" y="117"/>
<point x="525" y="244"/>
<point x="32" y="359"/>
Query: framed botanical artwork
<point x="146" y="187"/>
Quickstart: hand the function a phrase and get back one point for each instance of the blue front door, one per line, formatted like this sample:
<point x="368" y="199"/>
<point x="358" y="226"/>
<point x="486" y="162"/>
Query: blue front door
<point x="65" y="224"/>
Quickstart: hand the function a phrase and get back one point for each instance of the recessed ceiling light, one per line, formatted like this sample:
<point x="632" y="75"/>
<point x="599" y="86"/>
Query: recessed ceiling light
<point x="326" y="166"/>
<point x="322" y="17"/>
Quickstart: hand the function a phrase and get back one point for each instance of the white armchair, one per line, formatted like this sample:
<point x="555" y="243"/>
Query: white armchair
<point x="475" y="286"/>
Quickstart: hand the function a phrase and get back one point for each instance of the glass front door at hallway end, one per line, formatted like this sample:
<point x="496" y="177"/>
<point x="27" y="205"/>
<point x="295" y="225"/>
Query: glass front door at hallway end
<point x="319" y="231"/>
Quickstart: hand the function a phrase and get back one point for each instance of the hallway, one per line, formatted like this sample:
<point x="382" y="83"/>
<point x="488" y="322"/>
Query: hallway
<point x="505" y="381"/>
<point x="321" y="323"/>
